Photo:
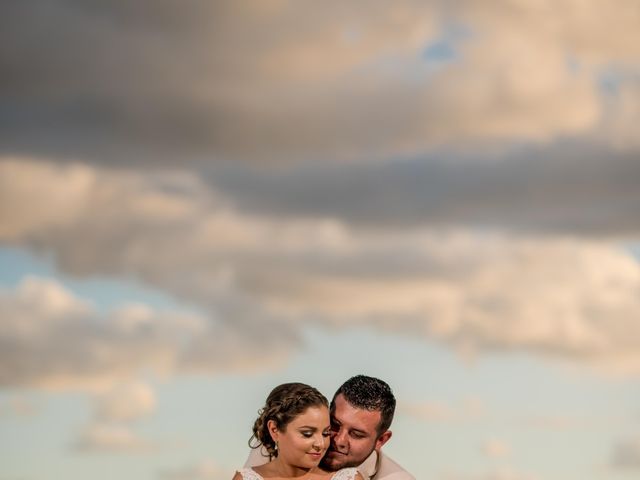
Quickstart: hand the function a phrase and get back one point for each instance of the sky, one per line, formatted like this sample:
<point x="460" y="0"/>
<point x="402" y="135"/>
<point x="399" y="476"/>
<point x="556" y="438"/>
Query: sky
<point x="200" y="200"/>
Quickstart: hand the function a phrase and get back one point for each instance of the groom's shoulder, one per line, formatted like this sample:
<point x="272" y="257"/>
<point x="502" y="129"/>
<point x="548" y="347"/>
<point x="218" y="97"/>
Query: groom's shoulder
<point x="389" y="469"/>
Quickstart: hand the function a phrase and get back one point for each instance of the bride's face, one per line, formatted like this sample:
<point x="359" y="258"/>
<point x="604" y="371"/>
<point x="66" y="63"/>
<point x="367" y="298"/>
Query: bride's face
<point x="305" y="439"/>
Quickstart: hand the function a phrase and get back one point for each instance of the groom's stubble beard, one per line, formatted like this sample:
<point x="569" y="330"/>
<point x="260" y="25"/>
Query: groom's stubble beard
<point x="332" y="461"/>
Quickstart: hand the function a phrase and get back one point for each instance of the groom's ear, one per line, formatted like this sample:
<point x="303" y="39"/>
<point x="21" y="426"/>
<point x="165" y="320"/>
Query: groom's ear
<point x="273" y="430"/>
<point x="382" y="439"/>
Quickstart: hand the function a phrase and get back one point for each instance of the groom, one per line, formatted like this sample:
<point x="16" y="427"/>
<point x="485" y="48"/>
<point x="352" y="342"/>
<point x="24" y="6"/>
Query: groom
<point x="361" y="414"/>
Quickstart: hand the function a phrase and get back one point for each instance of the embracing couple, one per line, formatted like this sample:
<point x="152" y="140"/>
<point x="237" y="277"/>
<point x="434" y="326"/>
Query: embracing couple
<point x="299" y="435"/>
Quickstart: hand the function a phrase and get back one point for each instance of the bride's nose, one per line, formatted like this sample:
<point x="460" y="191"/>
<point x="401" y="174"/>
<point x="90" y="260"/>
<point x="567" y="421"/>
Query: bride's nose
<point x="318" y="442"/>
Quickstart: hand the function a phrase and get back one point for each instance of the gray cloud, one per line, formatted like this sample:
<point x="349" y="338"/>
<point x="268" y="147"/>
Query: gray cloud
<point x="266" y="251"/>
<point x="162" y="80"/>
<point x="566" y="189"/>
<point x="168" y="82"/>
<point x="626" y="454"/>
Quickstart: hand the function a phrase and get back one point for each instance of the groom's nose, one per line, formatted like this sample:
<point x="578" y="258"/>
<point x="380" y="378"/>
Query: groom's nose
<point x="339" y="438"/>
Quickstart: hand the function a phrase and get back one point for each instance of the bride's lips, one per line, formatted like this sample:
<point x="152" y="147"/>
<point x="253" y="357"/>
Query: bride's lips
<point x="316" y="455"/>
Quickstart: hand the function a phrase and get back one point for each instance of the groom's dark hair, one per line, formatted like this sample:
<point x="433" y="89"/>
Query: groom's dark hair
<point x="369" y="393"/>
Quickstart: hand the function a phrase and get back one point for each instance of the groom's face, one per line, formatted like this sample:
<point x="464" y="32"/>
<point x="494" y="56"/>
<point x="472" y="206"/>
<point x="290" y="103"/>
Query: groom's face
<point x="354" y="435"/>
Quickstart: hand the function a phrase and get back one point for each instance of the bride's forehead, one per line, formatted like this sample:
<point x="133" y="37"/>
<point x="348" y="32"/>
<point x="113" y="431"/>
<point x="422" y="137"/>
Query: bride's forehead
<point x="313" y="414"/>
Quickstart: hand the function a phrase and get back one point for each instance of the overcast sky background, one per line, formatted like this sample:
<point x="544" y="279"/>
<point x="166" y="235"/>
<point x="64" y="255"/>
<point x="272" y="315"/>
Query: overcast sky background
<point x="200" y="200"/>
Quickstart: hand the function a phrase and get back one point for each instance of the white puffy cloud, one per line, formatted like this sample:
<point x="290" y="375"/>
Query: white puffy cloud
<point x="51" y="339"/>
<point x="565" y="298"/>
<point x="126" y="402"/>
<point x="115" y="410"/>
<point x="36" y="304"/>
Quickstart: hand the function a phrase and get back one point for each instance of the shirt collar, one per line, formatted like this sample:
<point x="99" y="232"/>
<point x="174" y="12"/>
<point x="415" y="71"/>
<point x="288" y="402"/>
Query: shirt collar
<point x="370" y="466"/>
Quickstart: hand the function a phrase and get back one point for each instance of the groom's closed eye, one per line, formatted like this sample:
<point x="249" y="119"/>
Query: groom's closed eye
<point x="356" y="434"/>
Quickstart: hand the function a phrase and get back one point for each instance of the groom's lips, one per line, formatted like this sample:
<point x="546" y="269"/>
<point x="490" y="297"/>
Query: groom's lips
<point x="334" y="452"/>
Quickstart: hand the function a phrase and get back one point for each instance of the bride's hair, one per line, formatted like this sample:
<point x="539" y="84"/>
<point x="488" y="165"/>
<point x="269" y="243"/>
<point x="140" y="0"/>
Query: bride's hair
<point x="284" y="403"/>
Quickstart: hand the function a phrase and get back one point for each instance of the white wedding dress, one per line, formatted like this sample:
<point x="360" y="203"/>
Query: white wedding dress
<point x="344" y="474"/>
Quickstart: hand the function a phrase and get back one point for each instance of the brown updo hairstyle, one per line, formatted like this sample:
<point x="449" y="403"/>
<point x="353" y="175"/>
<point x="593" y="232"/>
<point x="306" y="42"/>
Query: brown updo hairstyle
<point x="284" y="403"/>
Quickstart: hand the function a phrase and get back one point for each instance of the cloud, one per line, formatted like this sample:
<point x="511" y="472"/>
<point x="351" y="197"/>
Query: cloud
<point x="115" y="410"/>
<point x="469" y="410"/>
<point x="561" y="189"/>
<point x="296" y="81"/>
<point x="577" y="26"/>
<point x="206" y="469"/>
<point x="623" y="112"/>
<point x="51" y="339"/>
<point x="212" y="79"/>
<point x="126" y="403"/>
<point x="19" y="406"/>
<point x="59" y="200"/>
<point x="556" y="422"/>
<point x="499" y="474"/>
<point x="626" y="454"/>
<point x="559" y="296"/>
<point x="495" y="448"/>
<point x="568" y="422"/>
<point x="111" y="438"/>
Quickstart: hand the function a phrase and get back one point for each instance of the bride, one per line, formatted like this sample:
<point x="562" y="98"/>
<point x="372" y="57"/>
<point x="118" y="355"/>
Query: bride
<point x="294" y="428"/>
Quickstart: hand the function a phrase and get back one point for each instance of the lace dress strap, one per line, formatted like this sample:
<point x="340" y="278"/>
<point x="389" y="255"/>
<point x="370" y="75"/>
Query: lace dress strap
<point x="345" y="474"/>
<point x="250" y="474"/>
